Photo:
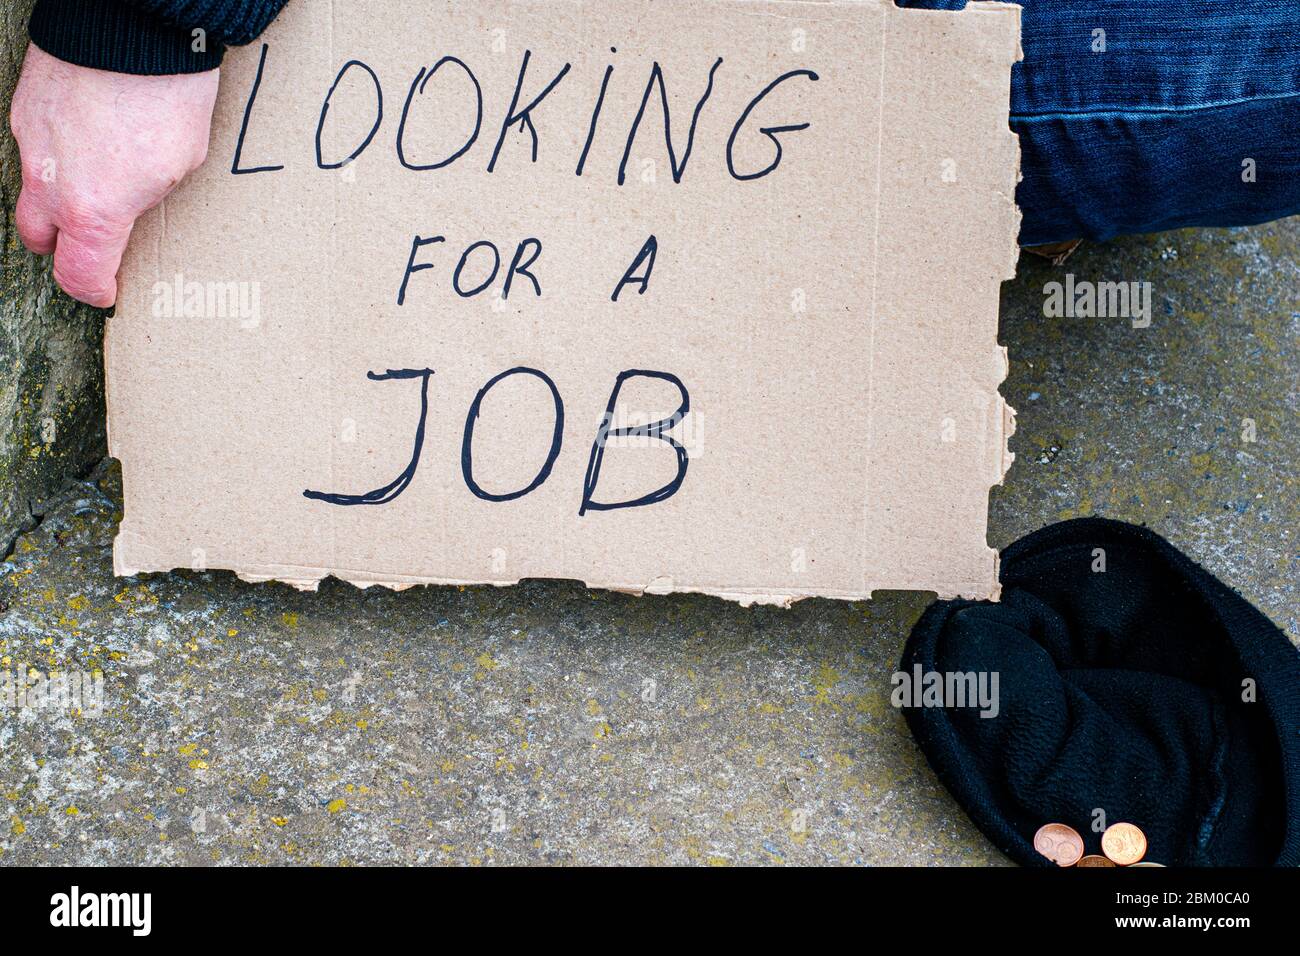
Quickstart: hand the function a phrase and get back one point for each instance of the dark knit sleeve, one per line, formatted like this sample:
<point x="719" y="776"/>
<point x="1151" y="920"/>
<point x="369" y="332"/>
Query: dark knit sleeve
<point x="153" y="37"/>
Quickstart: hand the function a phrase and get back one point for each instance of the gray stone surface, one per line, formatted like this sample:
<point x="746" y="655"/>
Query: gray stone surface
<point x="548" y="723"/>
<point x="51" y="376"/>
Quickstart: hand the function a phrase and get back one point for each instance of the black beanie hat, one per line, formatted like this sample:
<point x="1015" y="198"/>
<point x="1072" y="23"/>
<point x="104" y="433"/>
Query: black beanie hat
<point x="1124" y="673"/>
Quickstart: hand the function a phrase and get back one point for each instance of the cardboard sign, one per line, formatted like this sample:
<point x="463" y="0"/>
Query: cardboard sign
<point x="682" y="295"/>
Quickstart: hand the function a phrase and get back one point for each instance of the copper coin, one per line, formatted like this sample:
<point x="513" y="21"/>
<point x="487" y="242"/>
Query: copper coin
<point x="1092" y="859"/>
<point x="1147" y="863"/>
<point x="1124" y="843"/>
<point x="1059" y="843"/>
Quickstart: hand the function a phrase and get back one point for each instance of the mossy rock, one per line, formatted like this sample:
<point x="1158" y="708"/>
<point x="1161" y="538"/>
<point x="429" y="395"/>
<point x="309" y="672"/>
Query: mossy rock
<point x="51" y="372"/>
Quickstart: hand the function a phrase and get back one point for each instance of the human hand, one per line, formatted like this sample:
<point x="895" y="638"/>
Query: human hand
<point x="98" y="149"/>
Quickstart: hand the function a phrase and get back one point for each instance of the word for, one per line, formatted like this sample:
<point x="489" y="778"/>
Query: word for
<point x="605" y="432"/>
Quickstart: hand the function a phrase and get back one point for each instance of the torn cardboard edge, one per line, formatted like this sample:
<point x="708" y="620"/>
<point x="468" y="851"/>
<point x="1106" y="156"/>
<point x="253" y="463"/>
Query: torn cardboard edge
<point x="133" y="552"/>
<point x="309" y="579"/>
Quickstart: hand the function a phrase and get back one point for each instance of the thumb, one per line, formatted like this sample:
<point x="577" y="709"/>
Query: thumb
<point x="85" y="263"/>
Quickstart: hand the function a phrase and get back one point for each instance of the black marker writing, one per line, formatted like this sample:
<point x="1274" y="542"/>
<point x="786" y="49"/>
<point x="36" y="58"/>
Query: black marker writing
<point x="526" y="254"/>
<point x="595" y="114"/>
<point x="467" y="443"/>
<point x="243" y="127"/>
<point x="421" y="80"/>
<point x="646" y="255"/>
<point x="657" y="76"/>
<point x="385" y="494"/>
<point x="519" y="267"/>
<point x="652" y="430"/>
<point x="768" y="131"/>
<point x="412" y="267"/>
<point x="325" y="108"/>
<point x="460" y="267"/>
<point x="524" y="117"/>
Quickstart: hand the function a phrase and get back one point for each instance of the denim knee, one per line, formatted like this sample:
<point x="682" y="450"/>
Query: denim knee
<point x="1143" y="116"/>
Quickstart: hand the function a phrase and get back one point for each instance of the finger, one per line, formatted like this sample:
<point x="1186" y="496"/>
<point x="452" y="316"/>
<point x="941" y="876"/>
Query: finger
<point x="35" y="227"/>
<point x="85" y="264"/>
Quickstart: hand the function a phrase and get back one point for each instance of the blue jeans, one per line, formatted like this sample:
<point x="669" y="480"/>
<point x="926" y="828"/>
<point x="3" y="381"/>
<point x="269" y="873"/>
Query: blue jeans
<point x="1182" y="113"/>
